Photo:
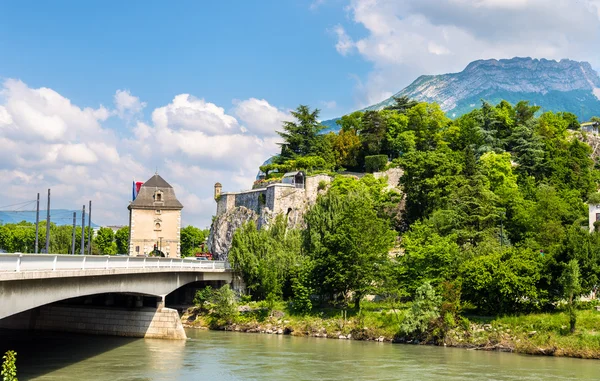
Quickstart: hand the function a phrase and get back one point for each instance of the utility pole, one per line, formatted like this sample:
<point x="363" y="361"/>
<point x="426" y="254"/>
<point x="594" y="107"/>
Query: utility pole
<point x="73" y="239"/>
<point x="90" y="229"/>
<point x="48" y="225"/>
<point x="37" y="223"/>
<point x="83" y="230"/>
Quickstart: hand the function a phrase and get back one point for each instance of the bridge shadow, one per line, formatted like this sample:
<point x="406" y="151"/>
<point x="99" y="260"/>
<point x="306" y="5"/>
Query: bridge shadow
<point x="43" y="352"/>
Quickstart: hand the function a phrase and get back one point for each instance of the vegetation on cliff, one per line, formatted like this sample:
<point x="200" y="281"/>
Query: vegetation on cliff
<point x="492" y="220"/>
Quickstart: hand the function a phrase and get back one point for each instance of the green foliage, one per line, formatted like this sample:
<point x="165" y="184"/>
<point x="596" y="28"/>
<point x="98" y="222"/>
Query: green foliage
<point x="347" y="242"/>
<point x="104" y="241"/>
<point x="571" y="286"/>
<point x="122" y="240"/>
<point x="375" y="163"/>
<point x="265" y="258"/>
<point x="301" y="138"/>
<point x="9" y="366"/>
<point x="223" y="305"/>
<point x="192" y="239"/>
<point x="424" y="310"/>
<point x="203" y="296"/>
<point x="322" y="185"/>
<point x="505" y="281"/>
<point x="594" y="198"/>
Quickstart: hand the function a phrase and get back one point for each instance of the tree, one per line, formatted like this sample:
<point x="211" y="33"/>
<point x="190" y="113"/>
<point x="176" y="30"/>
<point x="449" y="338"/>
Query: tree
<point x="266" y="258"/>
<point x="424" y="310"/>
<point x="191" y="239"/>
<point x="401" y="104"/>
<point x="346" y="148"/>
<point x="122" y="240"/>
<point x="348" y="244"/>
<point x="104" y="240"/>
<point x="571" y="288"/>
<point x="300" y="137"/>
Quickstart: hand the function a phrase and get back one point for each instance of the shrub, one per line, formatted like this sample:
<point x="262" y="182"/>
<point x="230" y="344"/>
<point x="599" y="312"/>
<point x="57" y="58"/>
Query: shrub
<point x="594" y="198"/>
<point x="322" y="185"/>
<point x="202" y="296"/>
<point x="375" y="163"/>
<point x="424" y="310"/>
<point x="224" y="308"/>
<point x="9" y="367"/>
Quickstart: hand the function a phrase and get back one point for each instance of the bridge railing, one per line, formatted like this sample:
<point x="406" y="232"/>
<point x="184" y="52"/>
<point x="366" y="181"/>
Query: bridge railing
<point x="54" y="262"/>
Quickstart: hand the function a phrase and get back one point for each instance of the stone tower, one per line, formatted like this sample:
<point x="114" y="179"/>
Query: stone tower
<point x="155" y="220"/>
<point x="218" y="188"/>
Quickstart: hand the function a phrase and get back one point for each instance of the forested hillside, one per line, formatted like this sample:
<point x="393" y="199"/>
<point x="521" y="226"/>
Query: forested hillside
<point x="492" y="217"/>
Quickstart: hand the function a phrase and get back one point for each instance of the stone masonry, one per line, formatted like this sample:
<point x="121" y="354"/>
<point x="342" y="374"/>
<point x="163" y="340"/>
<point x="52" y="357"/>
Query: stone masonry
<point x="161" y="323"/>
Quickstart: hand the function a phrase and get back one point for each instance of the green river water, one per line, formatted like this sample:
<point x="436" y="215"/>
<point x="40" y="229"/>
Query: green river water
<point x="210" y="355"/>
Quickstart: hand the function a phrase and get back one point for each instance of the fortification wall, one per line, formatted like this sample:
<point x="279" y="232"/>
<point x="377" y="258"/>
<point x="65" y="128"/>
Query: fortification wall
<point x="312" y="186"/>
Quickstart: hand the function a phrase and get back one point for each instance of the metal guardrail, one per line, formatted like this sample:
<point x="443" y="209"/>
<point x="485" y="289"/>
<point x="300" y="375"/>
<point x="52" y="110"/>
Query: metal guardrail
<point x="54" y="262"/>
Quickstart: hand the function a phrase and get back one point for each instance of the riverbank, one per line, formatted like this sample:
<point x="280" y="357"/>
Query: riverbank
<point x="536" y="334"/>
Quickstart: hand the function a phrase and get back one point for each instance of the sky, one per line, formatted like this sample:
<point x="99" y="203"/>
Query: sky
<point x="96" y="94"/>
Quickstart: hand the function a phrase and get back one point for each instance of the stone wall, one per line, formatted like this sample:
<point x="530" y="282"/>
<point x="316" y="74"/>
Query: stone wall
<point x="393" y="176"/>
<point x="161" y="323"/>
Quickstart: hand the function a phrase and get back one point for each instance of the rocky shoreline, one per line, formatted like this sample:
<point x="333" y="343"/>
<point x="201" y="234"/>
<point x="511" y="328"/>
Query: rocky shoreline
<point x="486" y="337"/>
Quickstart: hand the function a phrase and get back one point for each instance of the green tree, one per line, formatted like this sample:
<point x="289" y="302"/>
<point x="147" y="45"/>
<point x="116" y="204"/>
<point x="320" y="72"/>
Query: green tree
<point x="348" y="244"/>
<point x="266" y="258"/>
<point x="191" y="239"/>
<point x="571" y="286"/>
<point x="300" y="138"/>
<point x="402" y="104"/>
<point x="122" y="240"/>
<point x="104" y="241"/>
<point x="424" y="310"/>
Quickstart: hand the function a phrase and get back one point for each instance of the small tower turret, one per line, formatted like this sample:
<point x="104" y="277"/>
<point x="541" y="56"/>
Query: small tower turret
<point x="218" y="188"/>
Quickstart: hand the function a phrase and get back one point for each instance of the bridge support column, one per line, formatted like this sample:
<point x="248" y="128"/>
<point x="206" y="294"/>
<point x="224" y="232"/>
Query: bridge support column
<point x="160" y="302"/>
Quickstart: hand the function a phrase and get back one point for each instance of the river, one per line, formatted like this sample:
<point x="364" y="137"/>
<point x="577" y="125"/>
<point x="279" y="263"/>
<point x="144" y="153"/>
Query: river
<point x="210" y="355"/>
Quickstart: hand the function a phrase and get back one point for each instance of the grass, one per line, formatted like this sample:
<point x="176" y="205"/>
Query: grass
<point x="538" y="333"/>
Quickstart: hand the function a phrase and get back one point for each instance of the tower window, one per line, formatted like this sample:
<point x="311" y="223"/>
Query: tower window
<point x="157" y="211"/>
<point x="159" y="197"/>
<point x="157" y="226"/>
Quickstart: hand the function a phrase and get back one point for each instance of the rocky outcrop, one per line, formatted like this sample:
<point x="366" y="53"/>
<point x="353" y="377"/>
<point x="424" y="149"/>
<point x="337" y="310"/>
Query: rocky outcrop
<point x="223" y="227"/>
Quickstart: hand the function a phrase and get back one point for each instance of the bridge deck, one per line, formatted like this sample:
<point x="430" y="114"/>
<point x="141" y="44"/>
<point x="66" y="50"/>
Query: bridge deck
<point x="40" y="266"/>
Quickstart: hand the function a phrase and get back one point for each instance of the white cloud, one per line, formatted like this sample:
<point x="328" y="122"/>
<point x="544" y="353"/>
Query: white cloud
<point x="344" y="43"/>
<point x="127" y="104"/>
<point x="409" y="38"/>
<point x="259" y="117"/>
<point x="49" y="142"/>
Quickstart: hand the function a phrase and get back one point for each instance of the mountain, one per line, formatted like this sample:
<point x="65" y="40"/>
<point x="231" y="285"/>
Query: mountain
<point x="58" y="216"/>
<point x="563" y="85"/>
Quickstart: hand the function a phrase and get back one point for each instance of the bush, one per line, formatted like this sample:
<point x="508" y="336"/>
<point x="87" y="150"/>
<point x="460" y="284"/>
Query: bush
<point x="375" y="163"/>
<point x="9" y="367"/>
<point x="322" y="185"/>
<point x="594" y="198"/>
<point x="224" y="308"/>
<point x="203" y="296"/>
<point x="425" y="309"/>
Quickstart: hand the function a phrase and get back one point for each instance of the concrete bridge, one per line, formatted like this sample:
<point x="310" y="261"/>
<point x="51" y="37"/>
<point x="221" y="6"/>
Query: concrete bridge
<point x="30" y="283"/>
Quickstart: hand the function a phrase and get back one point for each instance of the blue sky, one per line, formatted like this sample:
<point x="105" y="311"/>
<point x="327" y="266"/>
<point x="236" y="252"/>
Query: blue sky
<point x="94" y="94"/>
<point x="282" y="51"/>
